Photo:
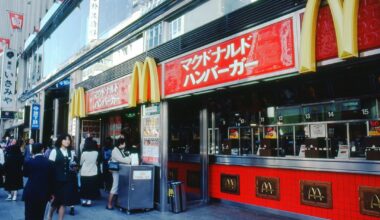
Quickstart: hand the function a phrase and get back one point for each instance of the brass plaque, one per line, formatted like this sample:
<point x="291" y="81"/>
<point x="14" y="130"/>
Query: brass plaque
<point x="230" y="184"/>
<point x="369" y="200"/>
<point x="268" y="187"/>
<point x="193" y="179"/>
<point x="173" y="174"/>
<point x="316" y="193"/>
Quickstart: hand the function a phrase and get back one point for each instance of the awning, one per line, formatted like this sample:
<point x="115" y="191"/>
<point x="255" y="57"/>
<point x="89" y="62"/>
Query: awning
<point x="77" y="104"/>
<point x="144" y="85"/>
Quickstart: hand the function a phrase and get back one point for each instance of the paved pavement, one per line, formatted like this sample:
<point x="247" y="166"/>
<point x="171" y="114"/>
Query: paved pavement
<point x="14" y="210"/>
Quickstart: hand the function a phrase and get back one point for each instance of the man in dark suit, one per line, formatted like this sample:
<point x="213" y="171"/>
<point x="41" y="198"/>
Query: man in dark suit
<point x="39" y="188"/>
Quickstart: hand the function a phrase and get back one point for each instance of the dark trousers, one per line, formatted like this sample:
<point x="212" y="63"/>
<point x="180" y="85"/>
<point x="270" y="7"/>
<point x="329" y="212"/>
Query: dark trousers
<point x="35" y="210"/>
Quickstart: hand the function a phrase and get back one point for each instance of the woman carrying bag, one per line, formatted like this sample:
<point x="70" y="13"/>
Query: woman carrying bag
<point x="118" y="156"/>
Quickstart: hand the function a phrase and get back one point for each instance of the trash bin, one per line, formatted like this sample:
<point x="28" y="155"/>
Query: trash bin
<point x="177" y="197"/>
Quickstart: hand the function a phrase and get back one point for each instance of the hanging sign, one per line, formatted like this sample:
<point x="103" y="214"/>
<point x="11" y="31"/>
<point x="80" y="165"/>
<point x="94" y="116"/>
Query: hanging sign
<point x="35" y="116"/>
<point x="8" y="81"/>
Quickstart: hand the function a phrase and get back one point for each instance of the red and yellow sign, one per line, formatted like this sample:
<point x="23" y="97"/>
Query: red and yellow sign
<point x="108" y="96"/>
<point x="258" y="53"/>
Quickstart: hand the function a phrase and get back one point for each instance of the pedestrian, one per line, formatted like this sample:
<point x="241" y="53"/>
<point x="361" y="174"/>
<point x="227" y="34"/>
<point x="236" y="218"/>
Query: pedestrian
<point x="65" y="182"/>
<point x="13" y="170"/>
<point x="2" y="161"/>
<point x="107" y="152"/>
<point x="89" y="172"/>
<point x="118" y="156"/>
<point x="50" y="147"/>
<point x="39" y="188"/>
<point x="28" y="149"/>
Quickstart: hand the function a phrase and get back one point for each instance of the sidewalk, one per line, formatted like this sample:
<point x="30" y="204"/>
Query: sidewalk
<point x="14" y="210"/>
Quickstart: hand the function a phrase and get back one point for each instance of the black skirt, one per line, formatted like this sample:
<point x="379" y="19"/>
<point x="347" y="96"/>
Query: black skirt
<point x="89" y="188"/>
<point x="66" y="193"/>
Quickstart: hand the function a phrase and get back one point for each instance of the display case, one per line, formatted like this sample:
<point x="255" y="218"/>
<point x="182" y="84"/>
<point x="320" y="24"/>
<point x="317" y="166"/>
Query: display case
<point x="240" y="140"/>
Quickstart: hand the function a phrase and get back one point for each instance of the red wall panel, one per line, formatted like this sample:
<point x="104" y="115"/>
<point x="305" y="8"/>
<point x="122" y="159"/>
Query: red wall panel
<point x="345" y="190"/>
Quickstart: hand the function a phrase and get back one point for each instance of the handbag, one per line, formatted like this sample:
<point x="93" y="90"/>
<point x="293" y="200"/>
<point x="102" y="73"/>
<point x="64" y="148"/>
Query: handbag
<point x="113" y="166"/>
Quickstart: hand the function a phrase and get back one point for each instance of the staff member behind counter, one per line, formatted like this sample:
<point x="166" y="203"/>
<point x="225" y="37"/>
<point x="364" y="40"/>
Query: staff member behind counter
<point x="119" y="156"/>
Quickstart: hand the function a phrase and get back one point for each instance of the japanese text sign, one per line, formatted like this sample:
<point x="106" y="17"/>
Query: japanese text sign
<point x="4" y="43"/>
<point x="35" y="116"/>
<point x="252" y="55"/>
<point x="8" y="79"/>
<point x="108" y="96"/>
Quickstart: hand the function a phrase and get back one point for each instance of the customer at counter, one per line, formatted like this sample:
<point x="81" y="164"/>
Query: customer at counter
<point x="118" y="156"/>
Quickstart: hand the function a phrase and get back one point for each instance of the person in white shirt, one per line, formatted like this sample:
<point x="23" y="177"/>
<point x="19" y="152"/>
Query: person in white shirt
<point x="89" y="172"/>
<point x="117" y="156"/>
<point x="66" y="184"/>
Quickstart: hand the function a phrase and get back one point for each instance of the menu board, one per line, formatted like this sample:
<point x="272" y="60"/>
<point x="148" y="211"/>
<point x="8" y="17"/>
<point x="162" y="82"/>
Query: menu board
<point x="92" y="128"/>
<point x="150" y="123"/>
<point x="374" y="128"/>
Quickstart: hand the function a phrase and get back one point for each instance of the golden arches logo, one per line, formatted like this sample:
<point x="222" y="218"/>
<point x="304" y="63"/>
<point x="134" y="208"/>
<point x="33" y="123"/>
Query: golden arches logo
<point x="375" y="202"/>
<point x="315" y="193"/>
<point x="229" y="184"/>
<point x="144" y="83"/>
<point x="266" y="187"/>
<point x="345" y="16"/>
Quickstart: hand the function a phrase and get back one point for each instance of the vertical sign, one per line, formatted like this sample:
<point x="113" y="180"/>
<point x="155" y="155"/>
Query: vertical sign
<point x="4" y="43"/>
<point x="35" y="116"/>
<point x="93" y="20"/>
<point x="150" y="123"/>
<point x="8" y="80"/>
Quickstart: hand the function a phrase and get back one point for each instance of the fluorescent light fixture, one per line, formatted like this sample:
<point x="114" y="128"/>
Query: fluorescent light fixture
<point x="281" y="77"/>
<point x="182" y="96"/>
<point x="203" y="92"/>
<point x="244" y="84"/>
<point x="253" y="125"/>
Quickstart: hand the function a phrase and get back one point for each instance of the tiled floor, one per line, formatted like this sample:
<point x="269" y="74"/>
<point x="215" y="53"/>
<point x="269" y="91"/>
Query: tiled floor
<point x="15" y="211"/>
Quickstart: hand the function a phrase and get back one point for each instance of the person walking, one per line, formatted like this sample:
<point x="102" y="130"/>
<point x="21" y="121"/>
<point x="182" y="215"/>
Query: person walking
<point x="118" y="156"/>
<point x="39" y="188"/>
<point x="28" y="149"/>
<point x="65" y="180"/>
<point x="13" y="171"/>
<point x="88" y="173"/>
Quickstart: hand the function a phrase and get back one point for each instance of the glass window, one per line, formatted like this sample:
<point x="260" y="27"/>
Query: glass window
<point x="117" y="14"/>
<point x="119" y="56"/>
<point x="67" y="40"/>
<point x="176" y="27"/>
<point x="154" y="36"/>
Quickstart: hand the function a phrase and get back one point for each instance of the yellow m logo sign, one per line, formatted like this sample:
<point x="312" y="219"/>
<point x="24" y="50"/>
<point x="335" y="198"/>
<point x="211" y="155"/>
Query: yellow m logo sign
<point x="144" y="83"/>
<point x="345" y="16"/>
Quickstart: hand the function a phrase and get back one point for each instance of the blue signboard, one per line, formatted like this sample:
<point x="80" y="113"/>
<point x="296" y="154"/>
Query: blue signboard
<point x="35" y="116"/>
<point x="63" y="83"/>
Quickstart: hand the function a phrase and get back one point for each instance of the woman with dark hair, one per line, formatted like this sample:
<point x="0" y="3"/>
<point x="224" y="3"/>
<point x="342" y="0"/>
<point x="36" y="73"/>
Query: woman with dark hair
<point x="107" y="152"/>
<point x="88" y="172"/>
<point x="118" y="156"/>
<point x="13" y="170"/>
<point x="66" y="188"/>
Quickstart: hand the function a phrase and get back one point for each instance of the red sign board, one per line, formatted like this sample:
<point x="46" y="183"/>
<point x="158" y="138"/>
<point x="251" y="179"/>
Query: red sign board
<point x="250" y="55"/>
<point x="17" y="20"/>
<point x="108" y="96"/>
<point x="4" y="43"/>
<point x="368" y="30"/>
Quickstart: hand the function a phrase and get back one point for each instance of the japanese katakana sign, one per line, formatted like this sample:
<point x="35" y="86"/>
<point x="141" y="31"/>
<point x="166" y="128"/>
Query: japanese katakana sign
<point x="254" y="54"/>
<point x="35" y="116"/>
<point x="8" y="79"/>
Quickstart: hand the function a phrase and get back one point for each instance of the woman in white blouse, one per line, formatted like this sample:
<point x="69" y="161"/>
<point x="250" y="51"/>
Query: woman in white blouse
<point x="89" y="171"/>
<point x="117" y="156"/>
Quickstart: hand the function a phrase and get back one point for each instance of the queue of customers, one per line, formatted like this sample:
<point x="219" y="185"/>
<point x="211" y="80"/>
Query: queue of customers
<point x="57" y="175"/>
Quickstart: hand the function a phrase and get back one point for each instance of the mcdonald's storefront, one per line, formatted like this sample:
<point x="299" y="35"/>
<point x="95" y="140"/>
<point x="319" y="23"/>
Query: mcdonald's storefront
<point x="283" y="116"/>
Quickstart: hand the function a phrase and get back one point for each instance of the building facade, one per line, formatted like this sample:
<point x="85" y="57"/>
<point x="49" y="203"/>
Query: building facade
<point x="273" y="104"/>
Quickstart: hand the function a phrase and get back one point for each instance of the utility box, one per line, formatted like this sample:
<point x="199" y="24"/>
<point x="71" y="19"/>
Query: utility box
<point x="136" y="187"/>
